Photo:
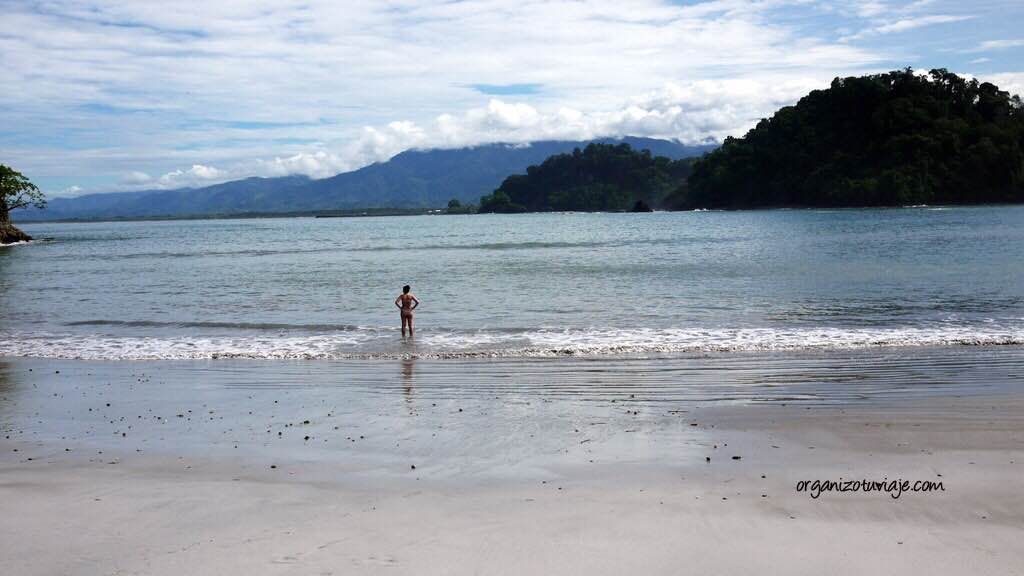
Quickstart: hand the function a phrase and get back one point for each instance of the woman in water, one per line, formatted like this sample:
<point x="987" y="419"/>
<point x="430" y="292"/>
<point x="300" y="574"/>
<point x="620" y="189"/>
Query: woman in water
<point x="406" y="302"/>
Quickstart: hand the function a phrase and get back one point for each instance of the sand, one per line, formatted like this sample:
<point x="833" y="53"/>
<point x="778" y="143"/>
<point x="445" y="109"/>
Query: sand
<point x="522" y="483"/>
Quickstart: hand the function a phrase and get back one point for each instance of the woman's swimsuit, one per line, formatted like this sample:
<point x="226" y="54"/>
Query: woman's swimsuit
<point x="406" y="307"/>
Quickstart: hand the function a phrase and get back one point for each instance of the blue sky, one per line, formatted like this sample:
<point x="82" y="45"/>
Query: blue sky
<point x="112" y="95"/>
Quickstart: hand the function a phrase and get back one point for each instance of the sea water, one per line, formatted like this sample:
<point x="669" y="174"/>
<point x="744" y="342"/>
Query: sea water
<point x="601" y="285"/>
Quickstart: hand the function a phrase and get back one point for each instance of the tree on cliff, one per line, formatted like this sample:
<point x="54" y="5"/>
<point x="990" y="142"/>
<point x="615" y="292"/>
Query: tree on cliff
<point x="16" y="191"/>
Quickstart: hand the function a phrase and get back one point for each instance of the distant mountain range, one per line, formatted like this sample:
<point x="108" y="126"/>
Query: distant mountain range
<point x="412" y="179"/>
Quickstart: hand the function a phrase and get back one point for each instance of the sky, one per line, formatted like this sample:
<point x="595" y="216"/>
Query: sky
<point x="118" y="95"/>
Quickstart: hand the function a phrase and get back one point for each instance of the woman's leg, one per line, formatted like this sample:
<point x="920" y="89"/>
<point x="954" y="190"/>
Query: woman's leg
<point x="410" y="324"/>
<point x="405" y="320"/>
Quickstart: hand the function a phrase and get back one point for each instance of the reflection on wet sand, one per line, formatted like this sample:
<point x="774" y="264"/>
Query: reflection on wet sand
<point x="408" y="367"/>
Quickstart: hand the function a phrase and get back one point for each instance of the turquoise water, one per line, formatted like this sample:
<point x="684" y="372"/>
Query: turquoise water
<point x="517" y="285"/>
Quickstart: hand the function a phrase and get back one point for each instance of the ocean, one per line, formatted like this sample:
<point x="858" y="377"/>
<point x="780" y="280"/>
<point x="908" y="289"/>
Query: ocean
<point x="517" y="286"/>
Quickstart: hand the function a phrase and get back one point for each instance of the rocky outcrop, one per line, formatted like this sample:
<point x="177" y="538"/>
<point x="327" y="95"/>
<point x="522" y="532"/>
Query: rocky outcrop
<point x="641" y="206"/>
<point x="10" y="234"/>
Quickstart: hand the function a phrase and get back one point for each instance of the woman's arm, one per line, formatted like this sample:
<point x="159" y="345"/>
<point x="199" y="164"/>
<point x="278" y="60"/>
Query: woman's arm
<point x="397" y="302"/>
<point x="416" y="303"/>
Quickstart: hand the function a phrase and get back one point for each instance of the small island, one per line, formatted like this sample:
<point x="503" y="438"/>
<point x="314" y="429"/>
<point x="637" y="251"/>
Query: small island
<point x="600" y="177"/>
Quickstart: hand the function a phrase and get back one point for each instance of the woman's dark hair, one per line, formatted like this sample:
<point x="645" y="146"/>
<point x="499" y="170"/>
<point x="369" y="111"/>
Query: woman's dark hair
<point x="405" y="289"/>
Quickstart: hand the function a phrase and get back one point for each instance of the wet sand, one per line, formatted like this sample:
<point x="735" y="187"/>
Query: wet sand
<point x="566" y="466"/>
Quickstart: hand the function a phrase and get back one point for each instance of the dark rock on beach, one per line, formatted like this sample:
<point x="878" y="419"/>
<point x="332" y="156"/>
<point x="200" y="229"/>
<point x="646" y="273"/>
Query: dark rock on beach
<point x="10" y="234"/>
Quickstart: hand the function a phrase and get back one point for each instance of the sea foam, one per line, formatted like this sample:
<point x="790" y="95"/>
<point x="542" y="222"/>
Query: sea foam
<point x="379" y="344"/>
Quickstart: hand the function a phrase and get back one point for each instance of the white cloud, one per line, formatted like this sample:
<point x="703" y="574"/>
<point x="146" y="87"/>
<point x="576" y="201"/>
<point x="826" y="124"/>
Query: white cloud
<point x="897" y="17"/>
<point x="318" y="164"/>
<point x="909" y="23"/>
<point x="989" y="45"/>
<point x="136" y="177"/>
<point x="197" y="175"/>
<point x="919" y="22"/>
<point x="871" y="9"/>
<point x="1012" y="82"/>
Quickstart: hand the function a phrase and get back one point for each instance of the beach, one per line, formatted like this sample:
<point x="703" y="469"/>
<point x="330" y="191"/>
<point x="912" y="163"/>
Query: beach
<point x="667" y="465"/>
<point x="666" y="393"/>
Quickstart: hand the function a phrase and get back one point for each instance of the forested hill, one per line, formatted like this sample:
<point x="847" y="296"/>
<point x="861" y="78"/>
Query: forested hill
<point x="891" y="139"/>
<point x="596" y="178"/>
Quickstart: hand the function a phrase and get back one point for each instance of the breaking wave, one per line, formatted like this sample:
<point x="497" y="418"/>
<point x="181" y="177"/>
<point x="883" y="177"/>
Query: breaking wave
<point x="352" y="342"/>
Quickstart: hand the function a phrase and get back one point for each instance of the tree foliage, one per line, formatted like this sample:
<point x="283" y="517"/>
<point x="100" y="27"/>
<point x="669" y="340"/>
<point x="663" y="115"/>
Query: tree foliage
<point x="456" y="207"/>
<point x="16" y="191"/>
<point x="598" y="177"/>
<point x="889" y="139"/>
